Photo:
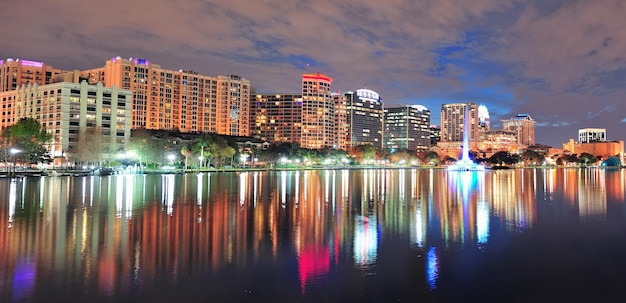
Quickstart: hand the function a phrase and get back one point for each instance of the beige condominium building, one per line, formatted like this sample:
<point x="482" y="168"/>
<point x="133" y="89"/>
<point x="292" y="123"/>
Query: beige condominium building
<point x="276" y="118"/>
<point x="318" y="110"/>
<point x="179" y="99"/>
<point x="16" y="72"/>
<point x="72" y="113"/>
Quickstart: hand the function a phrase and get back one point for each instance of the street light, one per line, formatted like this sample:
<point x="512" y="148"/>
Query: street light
<point x="243" y="159"/>
<point x="14" y="151"/>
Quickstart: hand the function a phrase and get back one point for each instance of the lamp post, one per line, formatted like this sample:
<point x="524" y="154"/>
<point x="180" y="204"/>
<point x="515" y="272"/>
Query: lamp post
<point x="14" y="151"/>
<point x="243" y="159"/>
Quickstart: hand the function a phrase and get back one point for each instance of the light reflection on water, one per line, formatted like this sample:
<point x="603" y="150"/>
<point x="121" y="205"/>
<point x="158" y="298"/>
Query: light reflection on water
<point x="130" y="236"/>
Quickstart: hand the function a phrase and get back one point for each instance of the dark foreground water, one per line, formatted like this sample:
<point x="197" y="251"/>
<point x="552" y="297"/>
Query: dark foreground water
<point x="532" y="235"/>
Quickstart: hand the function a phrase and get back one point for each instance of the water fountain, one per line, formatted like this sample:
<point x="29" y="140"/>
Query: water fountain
<point x="465" y="163"/>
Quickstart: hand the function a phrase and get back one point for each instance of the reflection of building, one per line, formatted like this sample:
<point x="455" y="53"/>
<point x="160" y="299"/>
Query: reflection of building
<point x="365" y="118"/>
<point x="179" y="99"/>
<point x="591" y="135"/>
<point x="407" y="127"/>
<point x="318" y="121"/>
<point x="71" y="110"/>
<point x="15" y="73"/>
<point x="524" y="128"/>
<point x="276" y="118"/>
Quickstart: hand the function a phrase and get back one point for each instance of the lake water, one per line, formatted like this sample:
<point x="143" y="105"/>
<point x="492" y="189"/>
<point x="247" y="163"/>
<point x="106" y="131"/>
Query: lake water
<point x="387" y="235"/>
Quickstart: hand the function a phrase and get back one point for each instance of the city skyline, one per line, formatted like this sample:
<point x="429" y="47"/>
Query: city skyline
<point x="561" y="62"/>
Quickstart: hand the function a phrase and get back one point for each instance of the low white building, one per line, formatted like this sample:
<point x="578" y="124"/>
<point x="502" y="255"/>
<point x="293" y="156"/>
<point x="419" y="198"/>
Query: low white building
<point x="68" y="110"/>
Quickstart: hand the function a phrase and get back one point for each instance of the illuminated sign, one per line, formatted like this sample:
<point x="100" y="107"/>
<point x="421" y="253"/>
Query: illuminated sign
<point x="368" y="94"/>
<point x="31" y="63"/>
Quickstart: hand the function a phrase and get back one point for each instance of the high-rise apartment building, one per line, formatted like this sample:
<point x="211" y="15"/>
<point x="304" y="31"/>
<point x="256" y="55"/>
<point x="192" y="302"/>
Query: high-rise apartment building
<point x="452" y="120"/>
<point x="276" y="118"/>
<point x="71" y="111"/>
<point x="179" y="100"/>
<point x="364" y="112"/>
<point x="14" y="73"/>
<point x="342" y="126"/>
<point x="523" y="126"/>
<point x="591" y="135"/>
<point x="318" y="119"/>
<point x="407" y="127"/>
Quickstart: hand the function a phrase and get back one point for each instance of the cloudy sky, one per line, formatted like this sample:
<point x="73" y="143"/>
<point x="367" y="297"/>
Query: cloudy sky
<point x="562" y="62"/>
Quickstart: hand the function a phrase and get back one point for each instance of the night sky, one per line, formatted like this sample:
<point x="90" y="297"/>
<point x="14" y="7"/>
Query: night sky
<point x="562" y="62"/>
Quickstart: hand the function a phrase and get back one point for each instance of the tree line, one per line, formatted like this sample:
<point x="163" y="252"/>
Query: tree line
<point x="153" y="148"/>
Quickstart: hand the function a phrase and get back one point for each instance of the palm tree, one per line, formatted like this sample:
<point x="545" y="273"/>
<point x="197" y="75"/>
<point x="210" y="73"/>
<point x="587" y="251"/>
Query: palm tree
<point x="186" y="152"/>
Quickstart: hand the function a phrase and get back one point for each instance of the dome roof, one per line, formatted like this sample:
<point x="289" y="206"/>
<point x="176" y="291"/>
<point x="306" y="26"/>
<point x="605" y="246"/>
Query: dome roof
<point x="611" y="161"/>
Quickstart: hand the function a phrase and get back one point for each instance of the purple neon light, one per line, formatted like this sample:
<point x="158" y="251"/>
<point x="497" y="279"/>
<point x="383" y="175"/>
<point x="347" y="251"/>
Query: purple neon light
<point x="32" y="63"/>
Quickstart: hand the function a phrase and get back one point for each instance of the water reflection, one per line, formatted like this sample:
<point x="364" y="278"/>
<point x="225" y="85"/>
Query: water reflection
<point x="125" y="236"/>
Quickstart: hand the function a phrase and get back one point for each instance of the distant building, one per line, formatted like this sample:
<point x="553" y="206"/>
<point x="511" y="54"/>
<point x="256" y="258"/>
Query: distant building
<point x="364" y="113"/>
<point x="276" y="118"/>
<point x="591" y="135"/>
<point x="435" y="134"/>
<point x="318" y="120"/>
<point x="484" y="122"/>
<point x="603" y="149"/>
<point x="342" y="126"/>
<point x="15" y="73"/>
<point x="407" y="127"/>
<point x="178" y="99"/>
<point x="498" y="140"/>
<point x="71" y="112"/>
<point x="452" y="120"/>
<point x="524" y="128"/>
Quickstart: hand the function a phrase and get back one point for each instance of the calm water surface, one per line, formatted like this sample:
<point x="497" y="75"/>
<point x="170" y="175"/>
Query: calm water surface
<point x="316" y="236"/>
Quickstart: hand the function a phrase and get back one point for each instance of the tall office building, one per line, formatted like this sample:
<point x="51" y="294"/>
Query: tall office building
<point x="364" y="112"/>
<point x="523" y="126"/>
<point x="276" y="118"/>
<point x="407" y="127"/>
<point x="318" y="120"/>
<point x="591" y="135"/>
<point x="179" y="100"/>
<point x="14" y="73"/>
<point x="342" y="127"/>
<point x="71" y="110"/>
<point x="452" y="120"/>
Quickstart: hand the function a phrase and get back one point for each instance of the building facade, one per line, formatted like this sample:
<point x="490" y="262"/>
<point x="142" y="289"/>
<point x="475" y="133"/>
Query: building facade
<point x="407" y="127"/>
<point x="15" y="73"/>
<point x="604" y="149"/>
<point x="73" y="113"/>
<point x="591" y="135"/>
<point x="524" y="128"/>
<point x="179" y="99"/>
<point x="364" y="112"/>
<point x="342" y="126"/>
<point x="452" y="120"/>
<point x="276" y="118"/>
<point x="318" y="119"/>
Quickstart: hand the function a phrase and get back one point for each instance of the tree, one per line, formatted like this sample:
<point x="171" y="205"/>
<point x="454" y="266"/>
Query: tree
<point x="503" y="157"/>
<point x="147" y="148"/>
<point x="91" y="147"/>
<point x="429" y="157"/>
<point x="531" y="157"/>
<point x="587" y="159"/>
<point x="186" y="152"/>
<point x="30" y="138"/>
<point x="363" y="152"/>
